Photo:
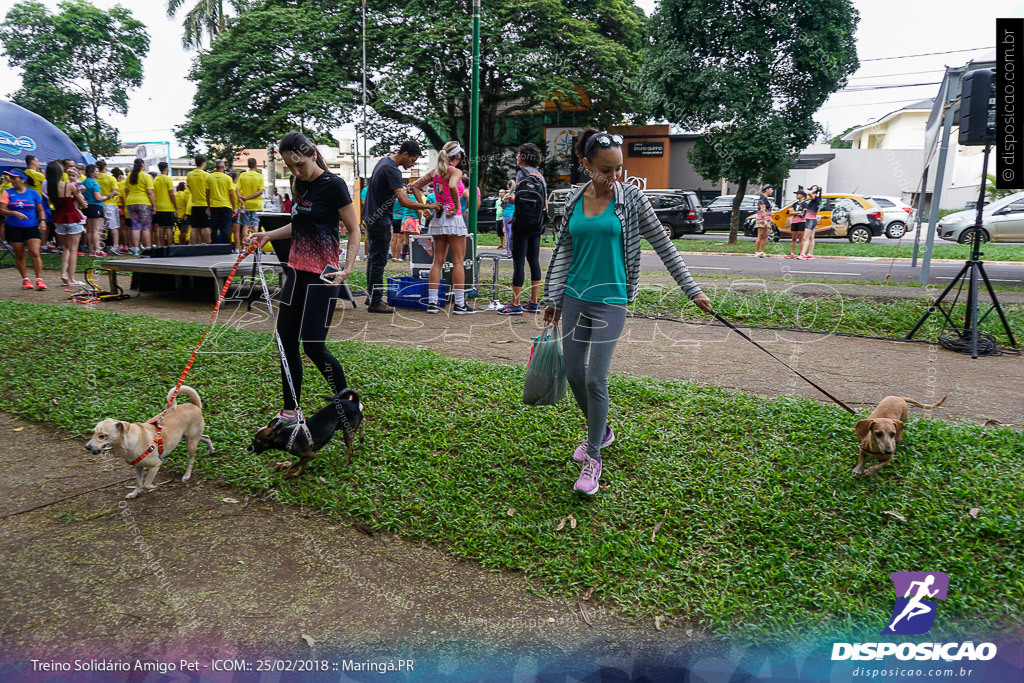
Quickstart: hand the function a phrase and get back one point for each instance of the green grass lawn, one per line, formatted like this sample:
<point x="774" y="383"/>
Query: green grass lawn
<point x="879" y="248"/>
<point x="765" y="532"/>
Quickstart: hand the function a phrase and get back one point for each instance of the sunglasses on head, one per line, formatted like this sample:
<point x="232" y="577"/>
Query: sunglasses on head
<point x="604" y="140"/>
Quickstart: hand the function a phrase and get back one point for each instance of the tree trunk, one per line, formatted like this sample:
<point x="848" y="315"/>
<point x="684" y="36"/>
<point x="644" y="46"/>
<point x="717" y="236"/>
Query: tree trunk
<point x="271" y="171"/>
<point x="734" y="223"/>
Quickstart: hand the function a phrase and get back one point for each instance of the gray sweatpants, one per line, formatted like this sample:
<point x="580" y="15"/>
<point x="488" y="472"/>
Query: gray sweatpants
<point x="596" y="328"/>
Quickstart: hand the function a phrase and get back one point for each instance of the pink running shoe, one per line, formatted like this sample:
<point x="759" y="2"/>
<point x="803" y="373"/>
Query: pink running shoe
<point x="590" y="477"/>
<point x="27" y="284"/>
<point x="40" y="284"/>
<point x="580" y="454"/>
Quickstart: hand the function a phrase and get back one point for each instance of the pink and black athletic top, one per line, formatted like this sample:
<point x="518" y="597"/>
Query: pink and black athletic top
<point x="442" y="193"/>
<point x="315" y="241"/>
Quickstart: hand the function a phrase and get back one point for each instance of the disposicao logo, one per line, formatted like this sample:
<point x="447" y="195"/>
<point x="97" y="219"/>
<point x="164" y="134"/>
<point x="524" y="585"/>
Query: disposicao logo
<point x="914" y="614"/>
<point x="16" y="145"/>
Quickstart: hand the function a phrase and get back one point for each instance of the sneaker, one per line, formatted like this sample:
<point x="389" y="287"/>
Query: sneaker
<point x="464" y="309"/>
<point x="380" y="307"/>
<point x="511" y="310"/>
<point x="580" y="454"/>
<point x="532" y="308"/>
<point x="791" y="255"/>
<point x="40" y="284"/>
<point x="283" y="420"/>
<point x="802" y="257"/>
<point x="590" y="477"/>
<point x="810" y="256"/>
<point x="26" y="284"/>
<point x="432" y="308"/>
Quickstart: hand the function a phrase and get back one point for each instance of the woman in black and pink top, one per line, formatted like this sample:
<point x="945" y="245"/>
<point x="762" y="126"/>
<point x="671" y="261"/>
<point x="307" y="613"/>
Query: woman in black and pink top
<point x="812" y="205"/>
<point x="307" y="303"/>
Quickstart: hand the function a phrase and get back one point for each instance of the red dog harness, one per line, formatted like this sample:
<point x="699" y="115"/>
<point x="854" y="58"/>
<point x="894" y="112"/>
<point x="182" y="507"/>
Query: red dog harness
<point x="158" y="444"/>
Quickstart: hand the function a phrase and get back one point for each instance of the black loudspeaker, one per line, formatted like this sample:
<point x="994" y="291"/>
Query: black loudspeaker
<point x="179" y="250"/>
<point x="978" y="108"/>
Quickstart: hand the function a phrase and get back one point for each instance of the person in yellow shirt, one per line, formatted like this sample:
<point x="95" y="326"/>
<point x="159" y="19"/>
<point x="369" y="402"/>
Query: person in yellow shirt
<point x="122" y="179"/>
<point x="166" y="206"/>
<point x="200" y="196"/>
<point x="111" y="219"/>
<point x="35" y="181"/>
<point x="251" y="186"/>
<point x="221" y="190"/>
<point x="140" y="203"/>
<point x="184" y="210"/>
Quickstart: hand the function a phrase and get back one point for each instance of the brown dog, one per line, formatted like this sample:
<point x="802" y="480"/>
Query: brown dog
<point x="130" y="440"/>
<point x="880" y="431"/>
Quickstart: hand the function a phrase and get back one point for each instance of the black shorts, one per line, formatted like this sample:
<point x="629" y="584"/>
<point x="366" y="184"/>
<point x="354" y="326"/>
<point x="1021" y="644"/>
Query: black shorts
<point x="164" y="219"/>
<point x="199" y="218"/>
<point x="396" y="226"/>
<point x="94" y="211"/>
<point x="797" y="227"/>
<point x="14" y="234"/>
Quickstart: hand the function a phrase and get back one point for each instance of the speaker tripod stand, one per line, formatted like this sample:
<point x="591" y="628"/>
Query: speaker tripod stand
<point x="969" y="274"/>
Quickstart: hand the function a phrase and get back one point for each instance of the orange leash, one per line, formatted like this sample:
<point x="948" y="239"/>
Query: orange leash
<point x="223" y="292"/>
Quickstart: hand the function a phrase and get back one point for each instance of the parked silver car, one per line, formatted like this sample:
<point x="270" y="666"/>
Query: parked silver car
<point x="1002" y="221"/>
<point x="897" y="216"/>
<point x="556" y="208"/>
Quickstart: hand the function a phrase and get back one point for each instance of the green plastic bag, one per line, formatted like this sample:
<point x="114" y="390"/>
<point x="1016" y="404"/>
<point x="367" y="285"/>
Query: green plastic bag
<point x="545" y="373"/>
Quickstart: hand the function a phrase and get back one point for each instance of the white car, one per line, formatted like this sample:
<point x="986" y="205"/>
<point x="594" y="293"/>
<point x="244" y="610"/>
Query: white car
<point x="1002" y="221"/>
<point x="897" y="216"/>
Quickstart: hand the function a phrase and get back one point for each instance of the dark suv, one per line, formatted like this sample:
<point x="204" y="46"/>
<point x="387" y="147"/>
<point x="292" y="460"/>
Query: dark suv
<point x="718" y="213"/>
<point x="679" y="211"/>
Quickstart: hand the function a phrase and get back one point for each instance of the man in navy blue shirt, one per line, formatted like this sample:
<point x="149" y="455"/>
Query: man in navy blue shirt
<point x="386" y="187"/>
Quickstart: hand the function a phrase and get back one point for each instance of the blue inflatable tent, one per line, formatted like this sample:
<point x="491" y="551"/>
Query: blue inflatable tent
<point x="22" y="133"/>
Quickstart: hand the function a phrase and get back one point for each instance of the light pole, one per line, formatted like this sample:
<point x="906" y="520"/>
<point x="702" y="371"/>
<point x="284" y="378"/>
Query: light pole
<point x="362" y="177"/>
<point x="474" y="132"/>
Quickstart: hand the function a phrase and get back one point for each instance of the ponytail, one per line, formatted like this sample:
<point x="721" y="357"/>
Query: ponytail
<point x="444" y="157"/>
<point x="133" y="179"/>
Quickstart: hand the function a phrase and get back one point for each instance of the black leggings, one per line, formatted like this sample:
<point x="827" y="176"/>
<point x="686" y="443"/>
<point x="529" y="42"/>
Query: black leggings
<point x="525" y="247"/>
<point x="307" y="306"/>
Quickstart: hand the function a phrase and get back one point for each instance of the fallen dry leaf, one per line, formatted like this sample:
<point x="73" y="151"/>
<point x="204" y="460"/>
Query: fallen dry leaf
<point x="511" y="512"/>
<point x="893" y="513"/>
<point x="308" y="639"/>
<point x="229" y="500"/>
<point x="551" y="620"/>
<point x="658" y="525"/>
<point x="590" y="592"/>
<point x="54" y="401"/>
<point x="585" y="613"/>
<point x="572" y="522"/>
<point x="561" y="525"/>
<point x="18" y="429"/>
<point x="689" y="633"/>
<point x="657" y="622"/>
<point x="973" y="512"/>
<point x="322" y="480"/>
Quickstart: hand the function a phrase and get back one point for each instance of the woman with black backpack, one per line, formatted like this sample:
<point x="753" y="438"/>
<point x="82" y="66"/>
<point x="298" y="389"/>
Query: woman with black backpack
<point x="530" y="196"/>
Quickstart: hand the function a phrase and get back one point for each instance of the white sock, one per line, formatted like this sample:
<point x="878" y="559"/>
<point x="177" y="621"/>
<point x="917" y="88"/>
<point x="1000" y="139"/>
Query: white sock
<point x="460" y="297"/>
<point x="432" y="295"/>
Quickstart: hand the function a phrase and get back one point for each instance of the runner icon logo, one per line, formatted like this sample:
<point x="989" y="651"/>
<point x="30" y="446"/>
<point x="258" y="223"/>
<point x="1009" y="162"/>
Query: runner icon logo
<point x="914" y="611"/>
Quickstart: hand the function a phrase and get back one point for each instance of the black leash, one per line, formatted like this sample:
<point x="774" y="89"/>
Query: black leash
<point x="798" y="374"/>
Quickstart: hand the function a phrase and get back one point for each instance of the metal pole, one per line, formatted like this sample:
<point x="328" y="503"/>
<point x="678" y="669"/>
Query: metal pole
<point x="362" y="175"/>
<point x="947" y="123"/>
<point x="920" y="215"/>
<point x="474" y="132"/>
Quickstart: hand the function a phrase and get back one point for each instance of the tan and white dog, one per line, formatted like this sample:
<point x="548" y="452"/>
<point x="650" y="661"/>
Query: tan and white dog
<point x="130" y="440"/>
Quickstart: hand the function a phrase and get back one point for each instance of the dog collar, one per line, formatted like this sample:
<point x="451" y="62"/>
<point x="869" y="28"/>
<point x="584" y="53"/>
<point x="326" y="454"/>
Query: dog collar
<point x="158" y="443"/>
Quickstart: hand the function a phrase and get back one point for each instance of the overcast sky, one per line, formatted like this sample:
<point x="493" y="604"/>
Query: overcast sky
<point x="888" y="28"/>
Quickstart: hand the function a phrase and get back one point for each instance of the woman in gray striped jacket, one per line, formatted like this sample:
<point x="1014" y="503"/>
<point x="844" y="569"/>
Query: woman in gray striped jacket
<point x="594" y="274"/>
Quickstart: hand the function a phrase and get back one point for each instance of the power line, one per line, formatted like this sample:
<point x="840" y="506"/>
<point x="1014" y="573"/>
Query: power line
<point x="869" y="104"/>
<point x="905" y="73"/>
<point x="928" y="54"/>
<point x="863" y="88"/>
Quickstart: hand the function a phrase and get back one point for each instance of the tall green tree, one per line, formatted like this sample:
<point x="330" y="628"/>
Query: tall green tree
<point x="77" y="64"/>
<point x="302" y="67"/>
<point x="750" y="74"/>
<point x="206" y="18"/>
